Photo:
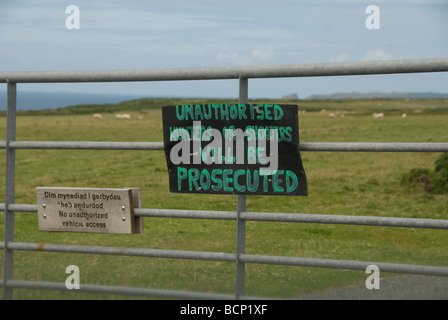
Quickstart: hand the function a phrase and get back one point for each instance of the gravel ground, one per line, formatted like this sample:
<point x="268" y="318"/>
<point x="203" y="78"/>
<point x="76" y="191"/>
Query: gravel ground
<point x="409" y="287"/>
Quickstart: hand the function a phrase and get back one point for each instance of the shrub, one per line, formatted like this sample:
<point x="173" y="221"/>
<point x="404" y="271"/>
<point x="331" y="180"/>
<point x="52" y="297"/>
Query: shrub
<point x="435" y="182"/>
<point x="441" y="182"/>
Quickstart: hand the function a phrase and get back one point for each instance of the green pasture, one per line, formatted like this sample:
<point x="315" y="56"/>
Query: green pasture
<point x="348" y="183"/>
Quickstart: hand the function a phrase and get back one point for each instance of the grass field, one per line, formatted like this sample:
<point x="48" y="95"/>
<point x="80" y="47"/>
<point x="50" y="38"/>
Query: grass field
<point x="339" y="183"/>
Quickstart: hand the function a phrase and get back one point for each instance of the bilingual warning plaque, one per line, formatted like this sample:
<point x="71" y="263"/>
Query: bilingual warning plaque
<point x="248" y="149"/>
<point x="94" y="210"/>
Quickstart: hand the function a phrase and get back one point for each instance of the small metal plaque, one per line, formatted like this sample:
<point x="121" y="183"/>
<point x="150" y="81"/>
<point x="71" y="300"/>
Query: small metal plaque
<point x="93" y="210"/>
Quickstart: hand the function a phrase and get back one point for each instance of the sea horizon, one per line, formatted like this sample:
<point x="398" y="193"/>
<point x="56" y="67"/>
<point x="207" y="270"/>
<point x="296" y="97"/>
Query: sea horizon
<point x="33" y="100"/>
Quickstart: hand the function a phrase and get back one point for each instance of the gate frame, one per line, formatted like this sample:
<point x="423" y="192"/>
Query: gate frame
<point x="240" y="258"/>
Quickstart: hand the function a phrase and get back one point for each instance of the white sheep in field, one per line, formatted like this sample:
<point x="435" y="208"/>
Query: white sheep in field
<point x="123" y="116"/>
<point x="378" y="115"/>
<point x="97" y="116"/>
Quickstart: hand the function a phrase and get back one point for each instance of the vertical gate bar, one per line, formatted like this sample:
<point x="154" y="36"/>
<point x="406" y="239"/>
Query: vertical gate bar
<point x="240" y="246"/>
<point x="241" y="207"/>
<point x="9" y="188"/>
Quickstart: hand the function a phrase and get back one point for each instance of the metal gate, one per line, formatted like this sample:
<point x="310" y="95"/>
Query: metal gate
<point x="240" y="215"/>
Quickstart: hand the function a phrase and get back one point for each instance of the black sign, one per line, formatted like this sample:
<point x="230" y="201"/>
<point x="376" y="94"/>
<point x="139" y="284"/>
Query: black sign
<point x="234" y="149"/>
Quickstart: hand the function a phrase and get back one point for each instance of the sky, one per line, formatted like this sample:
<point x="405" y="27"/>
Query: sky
<point x="137" y="34"/>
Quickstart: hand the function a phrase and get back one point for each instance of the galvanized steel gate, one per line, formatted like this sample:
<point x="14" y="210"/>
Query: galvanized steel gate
<point x="240" y="258"/>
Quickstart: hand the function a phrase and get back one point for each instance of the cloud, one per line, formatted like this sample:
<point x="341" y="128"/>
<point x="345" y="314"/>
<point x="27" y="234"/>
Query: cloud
<point x="377" y="54"/>
<point x="342" y="57"/>
<point x="257" y="55"/>
<point x="262" y="54"/>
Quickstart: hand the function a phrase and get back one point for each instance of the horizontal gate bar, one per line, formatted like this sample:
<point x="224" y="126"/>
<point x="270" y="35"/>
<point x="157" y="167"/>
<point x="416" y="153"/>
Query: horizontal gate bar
<point x="134" y="291"/>
<point x="273" y="217"/>
<point x="307" y="146"/>
<point x="235" y="72"/>
<point x="190" y="214"/>
<point x="88" y="145"/>
<point x="136" y="252"/>
<point x="19" y="207"/>
<point x="229" y="257"/>
<point x="375" y="146"/>
<point x="346" y="219"/>
<point x="346" y="264"/>
<point x="297" y="217"/>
